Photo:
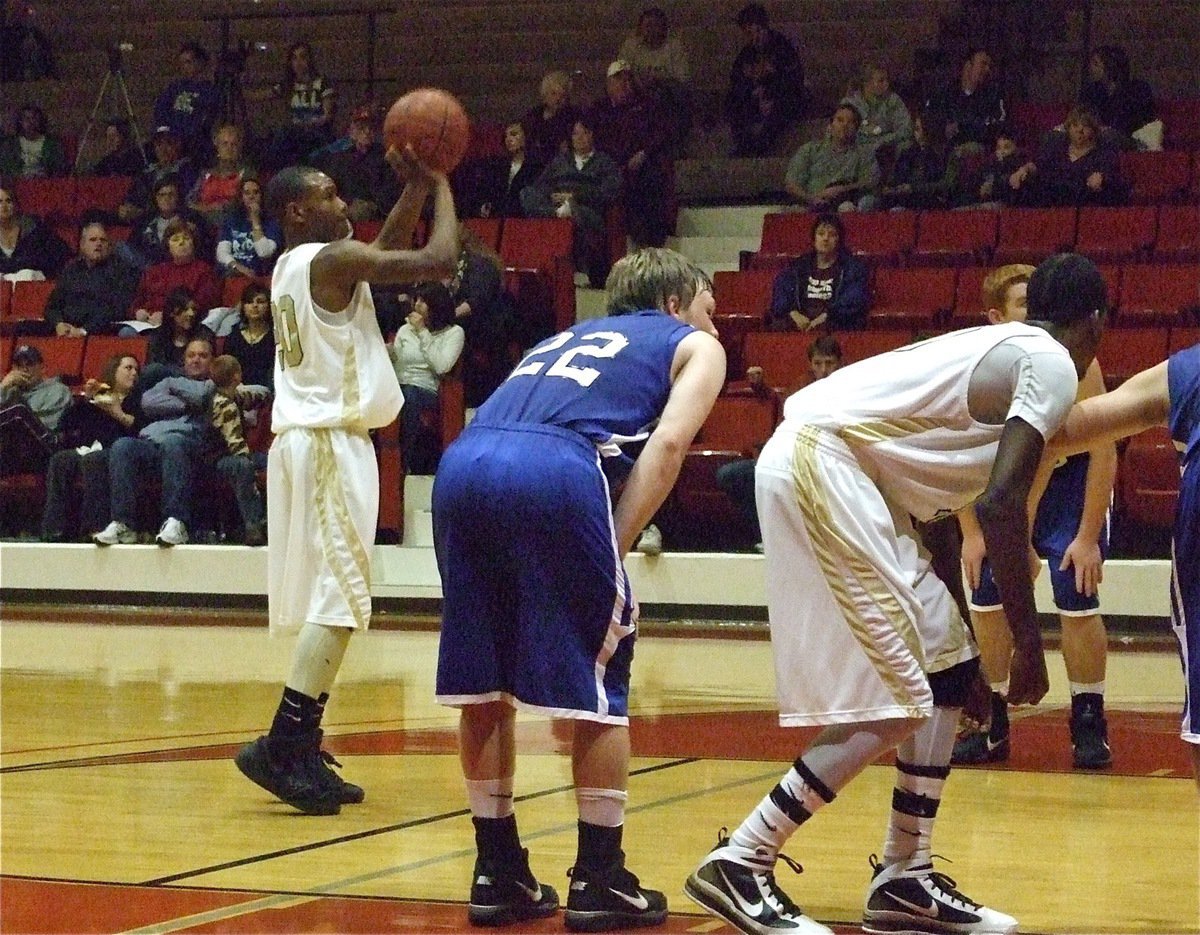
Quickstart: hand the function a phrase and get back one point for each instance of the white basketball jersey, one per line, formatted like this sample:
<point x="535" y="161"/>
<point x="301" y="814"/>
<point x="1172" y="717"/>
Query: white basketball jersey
<point x="332" y="370"/>
<point x="904" y="413"/>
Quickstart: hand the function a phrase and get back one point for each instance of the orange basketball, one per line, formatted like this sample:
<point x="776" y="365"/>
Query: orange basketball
<point x="434" y="122"/>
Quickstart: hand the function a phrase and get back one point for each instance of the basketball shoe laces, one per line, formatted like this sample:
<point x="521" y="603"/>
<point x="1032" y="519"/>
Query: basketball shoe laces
<point x="946" y="887"/>
<point x="779" y="900"/>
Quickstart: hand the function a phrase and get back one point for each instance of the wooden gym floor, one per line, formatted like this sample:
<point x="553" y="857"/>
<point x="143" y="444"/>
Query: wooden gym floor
<point x="120" y="810"/>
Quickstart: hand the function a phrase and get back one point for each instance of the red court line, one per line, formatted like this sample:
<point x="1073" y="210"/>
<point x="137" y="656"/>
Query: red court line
<point x="1143" y="743"/>
<point x="43" y="907"/>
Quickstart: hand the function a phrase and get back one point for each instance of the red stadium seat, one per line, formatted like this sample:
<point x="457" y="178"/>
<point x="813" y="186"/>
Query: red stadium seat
<point x="955" y="237"/>
<point x="1148" y="487"/>
<point x="106" y="193"/>
<point x="788" y="233"/>
<point x="49" y="199"/>
<point x="744" y="292"/>
<point x="732" y="331"/>
<point x="1183" y="337"/>
<point x="234" y="286"/>
<point x="1116" y="234"/>
<point x="1181" y="123"/>
<point x="968" y="297"/>
<point x="5" y="298"/>
<point x="100" y="347"/>
<point x="1156" y="177"/>
<point x="1031" y="120"/>
<point x="1029" y="235"/>
<point x="859" y="345"/>
<point x="1158" y="294"/>
<point x="29" y="299"/>
<point x="538" y="269"/>
<point x="486" y="229"/>
<point x="367" y="231"/>
<point x="740" y="423"/>
<point x="1126" y="351"/>
<point x="880" y="237"/>
<point x="699" y="514"/>
<point x="1178" y="233"/>
<point x="63" y="356"/>
<point x="912" y="298"/>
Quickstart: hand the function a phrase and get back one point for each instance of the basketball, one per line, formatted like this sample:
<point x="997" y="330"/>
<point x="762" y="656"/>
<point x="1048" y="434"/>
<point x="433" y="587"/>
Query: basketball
<point x="434" y="122"/>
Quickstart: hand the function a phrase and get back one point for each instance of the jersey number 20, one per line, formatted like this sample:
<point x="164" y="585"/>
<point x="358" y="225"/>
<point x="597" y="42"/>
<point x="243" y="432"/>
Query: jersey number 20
<point x="613" y="343"/>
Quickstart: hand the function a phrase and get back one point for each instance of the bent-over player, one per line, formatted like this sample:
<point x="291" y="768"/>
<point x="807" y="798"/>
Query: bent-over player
<point x="333" y="382"/>
<point x="537" y="610"/>
<point x="868" y="642"/>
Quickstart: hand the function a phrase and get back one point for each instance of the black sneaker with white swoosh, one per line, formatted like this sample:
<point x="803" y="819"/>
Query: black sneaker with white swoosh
<point x="613" y="898"/>
<point x="745" y="894"/>
<point x="503" y="893"/>
<point x="908" y="900"/>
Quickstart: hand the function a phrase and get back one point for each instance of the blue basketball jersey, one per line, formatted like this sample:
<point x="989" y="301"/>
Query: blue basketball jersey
<point x="607" y="379"/>
<point x="1183" y="383"/>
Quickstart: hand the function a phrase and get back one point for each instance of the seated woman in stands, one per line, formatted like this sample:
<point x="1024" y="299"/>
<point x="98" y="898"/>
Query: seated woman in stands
<point x="181" y="323"/>
<point x="1124" y="104"/>
<point x="426" y="348"/>
<point x="104" y="413"/>
<point x="148" y="242"/>
<point x="29" y="249"/>
<point x="501" y="178"/>
<point x="182" y="270"/>
<point x="548" y="125"/>
<point x="1074" y="168"/>
<point x="252" y="340"/>
<point x="249" y="240"/>
<point x="926" y="172"/>
<point x="825" y="288"/>
<point x="121" y="154"/>
<point x="32" y="152"/>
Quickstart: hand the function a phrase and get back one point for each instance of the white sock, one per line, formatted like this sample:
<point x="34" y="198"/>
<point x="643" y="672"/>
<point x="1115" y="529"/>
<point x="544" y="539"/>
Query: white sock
<point x="1000" y="688"/>
<point x="792" y="802"/>
<point x="604" y="807"/>
<point x="1093" y="688"/>
<point x="317" y="658"/>
<point x="490" y="798"/>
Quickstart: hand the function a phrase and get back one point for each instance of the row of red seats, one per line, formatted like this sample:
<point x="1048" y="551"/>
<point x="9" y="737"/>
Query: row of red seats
<point x="1010" y="235"/>
<point x="1181" y="120"/>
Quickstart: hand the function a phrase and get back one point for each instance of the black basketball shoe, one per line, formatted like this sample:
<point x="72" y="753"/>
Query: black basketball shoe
<point x="985" y="746"/>
<point x="916" y="900"/>
<point x="613" y="898"/>
<point x="1089" y="732"/>
<point x="502" y="893"/>
<point x="292" y="769"/>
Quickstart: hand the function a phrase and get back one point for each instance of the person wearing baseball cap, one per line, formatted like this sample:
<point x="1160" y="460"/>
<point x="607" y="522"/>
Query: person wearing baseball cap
<point x="31" y="407"/>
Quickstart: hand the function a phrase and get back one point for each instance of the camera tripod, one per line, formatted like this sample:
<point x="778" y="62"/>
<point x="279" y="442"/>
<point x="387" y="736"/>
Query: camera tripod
<point x="114" y="84"/>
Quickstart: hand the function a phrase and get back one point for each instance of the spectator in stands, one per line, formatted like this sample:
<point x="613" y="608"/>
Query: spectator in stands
<point x="995" y="185"/>
<point x="103" y="414"/>
<point x="483" y="310"/>
<point x="31" y="407"/>
<point x="835" y="172"/>
<point x="93" y="291"/>
<point x="188" y="105"/>
<point x="182" y="270"/>
<point x="29" y="249"/>
<point x="121" y="156"/>
<point x="25" y="51"/>
<point x="885" y="118"/>
<point x="826" y="287"/>
<point x="181" y="325"/>
<point x="310" y="108"/>
<point x="252" y="341"/>
<point x="925" y="175"/>
<point x="580" y="185"/>
<point x="32" y="153"/>
<point x="364" y="179"/>
<point x="249" y="241"/>
<point x="737" y="477"/>
<point x="766" y="85"/>
<point x="1123" y="103"/>
<point x="501" y="178"/>
<point x="1073" y="168"/>
<point x="217" y="186"/>
<point x="548" y="126"/>
<point x="661" y="71"/>
<point x="426" y="348"/>
<point x="236" y="462"/>
<point x="148" y="245"/>
<point x="636" y="134"/>
<point x="972" y="104"/>
<point x="172" y="443"/>
<point x="170" y="159"/>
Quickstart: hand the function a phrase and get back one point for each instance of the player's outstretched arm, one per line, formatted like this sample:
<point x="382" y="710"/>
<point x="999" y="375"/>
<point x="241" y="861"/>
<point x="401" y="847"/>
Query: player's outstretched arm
<point x="1003" y="517"/>
<point x="699" y="374"/>
<point x="1139" y="403"/>
<point x="1083" y="553"/>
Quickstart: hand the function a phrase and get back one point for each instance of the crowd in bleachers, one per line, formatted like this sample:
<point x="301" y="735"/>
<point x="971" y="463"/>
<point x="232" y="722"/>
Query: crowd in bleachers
<point x="147" y="249"/>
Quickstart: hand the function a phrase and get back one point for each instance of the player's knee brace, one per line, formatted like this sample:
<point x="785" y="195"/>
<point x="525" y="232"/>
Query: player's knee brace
<point x="951" y="686"/>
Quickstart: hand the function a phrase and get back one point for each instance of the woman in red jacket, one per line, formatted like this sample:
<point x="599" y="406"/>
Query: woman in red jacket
<point x="183" y="270"/>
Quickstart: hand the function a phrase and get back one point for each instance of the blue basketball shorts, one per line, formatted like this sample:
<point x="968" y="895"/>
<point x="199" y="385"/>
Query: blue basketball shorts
<point x="537" y="609"/>
<point x="1185" y="596"/>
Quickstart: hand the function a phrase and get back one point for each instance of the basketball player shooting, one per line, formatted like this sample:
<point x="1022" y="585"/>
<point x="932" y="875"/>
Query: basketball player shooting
<point x="333" y="382"/>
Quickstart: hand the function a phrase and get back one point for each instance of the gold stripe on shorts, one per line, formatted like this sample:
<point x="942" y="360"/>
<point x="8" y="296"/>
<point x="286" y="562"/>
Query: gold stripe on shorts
<point x="868" y="433"/>
<point x="837" y="556"/>
<point x="333" y="520"/>
<point x="351" y="391"/>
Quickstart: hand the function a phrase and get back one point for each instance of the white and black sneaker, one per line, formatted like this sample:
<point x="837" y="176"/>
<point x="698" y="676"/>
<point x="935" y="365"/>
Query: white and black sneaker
<point x="743" y="892"/>
<point x="505" y="893"/>
<point x="115" y="533"/>
<point x="612" y="898"/>
<point x="904" y="900"/>
<point x="173" y="533"/>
